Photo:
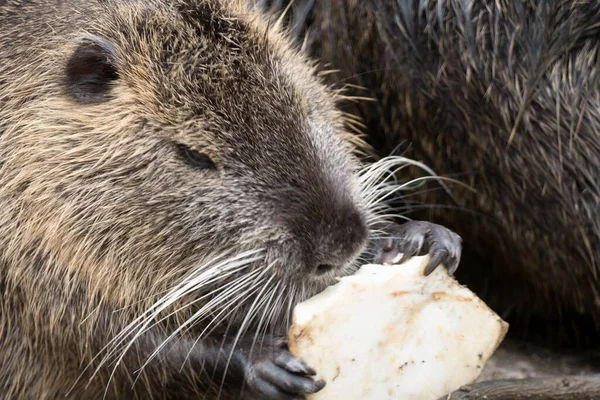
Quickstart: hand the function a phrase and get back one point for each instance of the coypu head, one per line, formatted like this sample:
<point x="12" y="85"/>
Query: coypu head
<point x="161" y="140"/>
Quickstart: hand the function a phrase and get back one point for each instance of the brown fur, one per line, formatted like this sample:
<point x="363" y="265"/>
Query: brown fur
<point x="101" y="215"/>
<point x="501" y="95"/>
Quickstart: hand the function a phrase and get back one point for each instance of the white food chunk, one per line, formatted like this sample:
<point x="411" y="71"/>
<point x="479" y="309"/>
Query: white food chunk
<point x="389" y="332"/>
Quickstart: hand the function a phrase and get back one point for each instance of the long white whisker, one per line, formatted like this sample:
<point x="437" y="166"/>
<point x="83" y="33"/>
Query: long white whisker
<point x="268" y="306"/>
<point x="291" y="298"/>
<point x="276" y="311"/>
<point x="195" y="280"/>
<point x="379" y="181"/>
<point x="205" y="310"/>
<point x="247" y="319"/>
<point x="154" y="311"/>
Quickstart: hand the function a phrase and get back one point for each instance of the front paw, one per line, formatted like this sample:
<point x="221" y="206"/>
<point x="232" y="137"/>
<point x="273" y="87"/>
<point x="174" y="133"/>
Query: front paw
<point x="419" y="238"/>
<point x="273" y="373"/>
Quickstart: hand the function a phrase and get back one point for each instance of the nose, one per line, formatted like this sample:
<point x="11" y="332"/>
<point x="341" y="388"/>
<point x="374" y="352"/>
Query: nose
<point x="339" y="238"/>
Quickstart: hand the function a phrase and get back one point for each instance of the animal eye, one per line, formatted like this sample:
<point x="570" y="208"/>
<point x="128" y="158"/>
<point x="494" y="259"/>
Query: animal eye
<point x="195" y="158"/>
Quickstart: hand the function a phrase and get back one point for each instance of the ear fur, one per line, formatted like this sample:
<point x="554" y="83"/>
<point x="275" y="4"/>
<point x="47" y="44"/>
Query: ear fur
<point x="91" y="70"/>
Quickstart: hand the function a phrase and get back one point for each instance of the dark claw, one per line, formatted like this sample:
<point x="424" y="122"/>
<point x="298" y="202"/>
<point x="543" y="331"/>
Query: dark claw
<point x="267" y="391"/>
<point x="286" y="380"/>
<point x="417" y="238"/>
<point x="273" y="373"/>
<point x="293" y="364"/>
<point x="437" y="258"/>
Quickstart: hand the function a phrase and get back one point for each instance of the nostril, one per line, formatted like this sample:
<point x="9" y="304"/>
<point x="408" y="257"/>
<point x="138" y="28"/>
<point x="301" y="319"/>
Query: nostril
<point x="324" y="268"/>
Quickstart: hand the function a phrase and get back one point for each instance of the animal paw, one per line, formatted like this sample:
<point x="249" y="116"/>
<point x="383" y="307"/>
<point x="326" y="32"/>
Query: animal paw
<point x="416" y="238"/>
<point x="273" y="373"/>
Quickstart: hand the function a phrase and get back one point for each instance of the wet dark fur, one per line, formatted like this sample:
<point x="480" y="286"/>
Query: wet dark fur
<point x="503" y="96"/>
<point x="139" y="140"/>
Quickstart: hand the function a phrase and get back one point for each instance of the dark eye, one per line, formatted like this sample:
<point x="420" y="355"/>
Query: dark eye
<point x="195" y="158"/>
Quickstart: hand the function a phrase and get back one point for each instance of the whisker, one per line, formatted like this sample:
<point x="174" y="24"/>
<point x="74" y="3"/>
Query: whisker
<point x="247" y="319"/>
<point x="262" y="320"/>
<point x="291" y="298"/>
<point x="278" y="307"/>
<point x="380" y="186"/>
<point x="207" y="272"/>
<point x="144" y="320"/>
<point x="210" y="306"/>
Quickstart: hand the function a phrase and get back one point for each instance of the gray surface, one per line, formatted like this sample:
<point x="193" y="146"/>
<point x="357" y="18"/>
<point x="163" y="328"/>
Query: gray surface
<point x="514" y="360"/>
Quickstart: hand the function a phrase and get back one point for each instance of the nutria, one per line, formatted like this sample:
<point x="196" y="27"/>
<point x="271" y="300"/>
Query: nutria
<point x="500" y="96"/>
<point x="173" y="179"/>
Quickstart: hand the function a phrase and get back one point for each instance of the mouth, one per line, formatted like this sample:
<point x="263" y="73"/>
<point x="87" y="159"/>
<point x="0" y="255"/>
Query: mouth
<point x="323" y="269"/>
<point x="326" y="275"/>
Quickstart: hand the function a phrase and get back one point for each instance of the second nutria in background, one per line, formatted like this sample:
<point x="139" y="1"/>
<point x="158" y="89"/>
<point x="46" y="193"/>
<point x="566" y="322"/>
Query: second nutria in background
<point x="502" y="96"/>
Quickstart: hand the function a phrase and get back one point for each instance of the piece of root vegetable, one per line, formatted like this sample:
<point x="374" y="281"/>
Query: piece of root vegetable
<point x="389" y="332"/>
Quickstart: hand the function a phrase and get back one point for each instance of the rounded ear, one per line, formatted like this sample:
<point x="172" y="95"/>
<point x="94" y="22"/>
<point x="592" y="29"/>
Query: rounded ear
<point x="90" y="70"/>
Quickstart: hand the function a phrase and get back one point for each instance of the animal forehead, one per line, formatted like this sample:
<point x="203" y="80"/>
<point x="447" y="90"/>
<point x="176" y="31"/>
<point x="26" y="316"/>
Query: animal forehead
<point x="197" y="30"/>
<point x="199" y="53"/>
<point x="212" y="64"/>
